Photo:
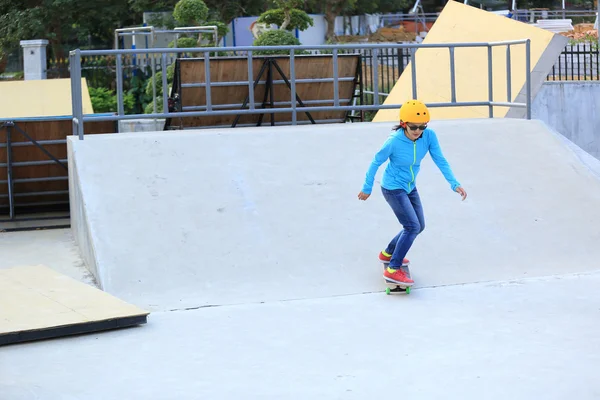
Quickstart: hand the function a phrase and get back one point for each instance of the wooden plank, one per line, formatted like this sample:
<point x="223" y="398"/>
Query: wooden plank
<point x="39" y="303"/>
<point x="192" y="70"/>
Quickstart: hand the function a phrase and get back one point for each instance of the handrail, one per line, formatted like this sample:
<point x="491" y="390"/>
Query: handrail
<point x="79" y="119"/>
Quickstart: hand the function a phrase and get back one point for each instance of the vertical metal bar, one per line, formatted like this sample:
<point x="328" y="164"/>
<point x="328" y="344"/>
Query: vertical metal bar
<point x="153" y="62"/>
<point x="251" y="80"/>
<point x="388" y="88"/>
<point x="293" y="85"/>
<point x="77" y="100"/>
<point x="508" y="75"/>
<point x="207" y="80"/>
<point x="73" y="107"/>
<point x="376" y="76"/>
<point x="452" y="74"/>
<point x="11" y="197"/>
<point x="165" y="86"/>
<point x="120" y="107"/>
<point x="393" y="68"/>
<point x="371" y="72"/>
<point x="413" y="69"/>
<point x="336" y="91"/>
<point x="490" y="82"/>
<point x="528" y="76"/>
<point x="271" y="91"/>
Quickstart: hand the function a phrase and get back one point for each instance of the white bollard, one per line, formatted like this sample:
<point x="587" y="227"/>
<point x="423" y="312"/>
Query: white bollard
<point x="34" y="58"/>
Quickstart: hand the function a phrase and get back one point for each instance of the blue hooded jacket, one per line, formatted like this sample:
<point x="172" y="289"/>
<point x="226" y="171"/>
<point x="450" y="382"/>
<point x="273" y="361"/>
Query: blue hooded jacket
<point x="405" y="161"/>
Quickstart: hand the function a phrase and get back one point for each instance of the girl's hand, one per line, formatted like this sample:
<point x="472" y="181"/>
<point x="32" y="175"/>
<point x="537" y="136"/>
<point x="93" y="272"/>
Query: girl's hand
<point x="363" y="196"/>
<point x="462" y="192"/>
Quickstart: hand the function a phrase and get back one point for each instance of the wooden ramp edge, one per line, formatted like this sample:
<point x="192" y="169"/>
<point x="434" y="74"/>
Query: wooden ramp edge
<point x="38" y="303"/>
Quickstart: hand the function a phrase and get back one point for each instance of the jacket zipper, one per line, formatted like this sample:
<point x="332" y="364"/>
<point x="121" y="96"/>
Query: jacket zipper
<point x="414" y="161"/>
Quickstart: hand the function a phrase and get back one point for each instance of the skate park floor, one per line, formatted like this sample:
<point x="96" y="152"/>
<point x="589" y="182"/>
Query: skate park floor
<point x="505" y="306"/>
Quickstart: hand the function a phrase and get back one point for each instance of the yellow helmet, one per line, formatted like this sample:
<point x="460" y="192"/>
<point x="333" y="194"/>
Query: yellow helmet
<point x="414" y="111"/>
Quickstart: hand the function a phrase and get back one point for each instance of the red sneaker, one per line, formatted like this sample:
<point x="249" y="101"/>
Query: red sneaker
<point x="385" y="258"/>
<point x="397" y="276"/>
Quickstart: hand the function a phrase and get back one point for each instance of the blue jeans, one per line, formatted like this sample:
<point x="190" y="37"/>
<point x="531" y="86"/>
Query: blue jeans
<point x="409" y="211"/>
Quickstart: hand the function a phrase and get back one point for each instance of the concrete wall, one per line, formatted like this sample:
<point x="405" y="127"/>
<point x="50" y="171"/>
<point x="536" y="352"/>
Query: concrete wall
<point x="571" y="108"/>
<point x="79" y="218"/>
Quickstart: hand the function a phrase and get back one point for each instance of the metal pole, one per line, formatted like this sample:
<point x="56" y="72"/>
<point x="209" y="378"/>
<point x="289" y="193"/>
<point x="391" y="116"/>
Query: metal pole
<point x="120" y="107"/>
<point x="528" y="76"/>
<point x="336" y="94"/>
<point x="165" y="87"/>
<point x="413" y="69"/>
<point x="452" y="75"/>
<point x="251" y="79"/>
<point x="293" y="85"/>
<point x="490" y="82"/>
<point x="508" y="75"/>
<point x="376" y="76"/>
<point x="77" y="99"/>
<point x="164" y="72"/>
<point x="11" y="199"/>
<point x="73" y="93"/>
<point x="207" y="79"/>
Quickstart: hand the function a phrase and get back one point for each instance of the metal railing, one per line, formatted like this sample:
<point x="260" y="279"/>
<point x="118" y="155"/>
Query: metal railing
<point x="79" y="118"/>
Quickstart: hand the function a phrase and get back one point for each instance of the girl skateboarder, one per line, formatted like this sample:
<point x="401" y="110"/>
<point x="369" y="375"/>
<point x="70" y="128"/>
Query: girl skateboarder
<point x="405" y="148"/>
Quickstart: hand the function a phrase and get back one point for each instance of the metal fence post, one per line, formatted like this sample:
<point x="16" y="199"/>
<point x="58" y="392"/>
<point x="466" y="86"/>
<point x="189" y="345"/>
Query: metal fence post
<point x="413" y="68"/>
<point x="9" y="172"/>
<point x="376" y="76"/>
<point x="528" y="76"/>
<point x="251" y="80"/>
<point x="76" y="92"/>
<point x="293" y="85"/>
<point x="490" y="81"/>
<point x="452" y="75"/>
<point x="207" y="80"/>
<point x="336" y="91"/>
<point x="165" y="86"/>
<point x="120" y="106"/>
<point x="508" y="75"/>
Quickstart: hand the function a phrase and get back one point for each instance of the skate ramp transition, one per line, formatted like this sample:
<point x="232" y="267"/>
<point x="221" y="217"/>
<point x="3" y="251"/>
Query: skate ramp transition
<point x="176" y="220"/>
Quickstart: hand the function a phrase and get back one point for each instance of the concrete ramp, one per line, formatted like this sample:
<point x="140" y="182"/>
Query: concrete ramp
<point x="176" y="220"/>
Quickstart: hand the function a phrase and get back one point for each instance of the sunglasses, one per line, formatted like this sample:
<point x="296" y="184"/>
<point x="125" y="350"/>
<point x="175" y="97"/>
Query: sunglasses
<point x="415" y="127"/>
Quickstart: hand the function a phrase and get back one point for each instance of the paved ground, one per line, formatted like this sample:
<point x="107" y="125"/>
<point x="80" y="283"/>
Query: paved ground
<point x="528" y="339"/>
<point x="54" y="248"/>
<point x="258" y="264"/>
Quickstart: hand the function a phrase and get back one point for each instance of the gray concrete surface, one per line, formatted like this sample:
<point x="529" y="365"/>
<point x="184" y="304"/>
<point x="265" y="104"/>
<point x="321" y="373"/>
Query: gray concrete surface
<point x="252" y="215"/>
<point x="506" y="303"/>
<point x="520" y="340"/>
<point x="54" y="248"/>
<point x="573" y="109"/>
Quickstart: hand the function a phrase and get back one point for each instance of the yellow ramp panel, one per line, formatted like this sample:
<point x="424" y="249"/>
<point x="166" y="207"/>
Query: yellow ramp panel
<point x="40" y="98"/>
<point x="37" y="303"/>
<point x="462" y="23"/>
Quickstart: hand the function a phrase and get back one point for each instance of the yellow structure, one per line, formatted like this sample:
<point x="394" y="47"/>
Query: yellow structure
<point x="40" y="98"/>
<point x="39" y="303"/>
<point x="462" y="23"/>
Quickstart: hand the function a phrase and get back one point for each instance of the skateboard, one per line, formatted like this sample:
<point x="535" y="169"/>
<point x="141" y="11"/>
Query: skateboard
<point x="394" y="287"/>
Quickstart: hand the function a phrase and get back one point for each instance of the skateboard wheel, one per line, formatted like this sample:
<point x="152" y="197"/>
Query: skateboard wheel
<point x="387" y="291"/>
<point x="408" y="290"/>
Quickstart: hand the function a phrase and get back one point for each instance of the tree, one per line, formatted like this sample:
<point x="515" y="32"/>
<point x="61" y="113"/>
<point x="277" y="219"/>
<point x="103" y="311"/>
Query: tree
<point x="61" y="22"/>
<point x="190" y="12"/>
<point x="286" y="16"/>
<point x="333" y="8"/>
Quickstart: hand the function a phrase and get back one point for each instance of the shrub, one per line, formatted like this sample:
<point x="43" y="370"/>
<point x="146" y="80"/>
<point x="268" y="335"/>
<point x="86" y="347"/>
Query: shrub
<point x="105" y="100"/>
<point x="276" y="38"/>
